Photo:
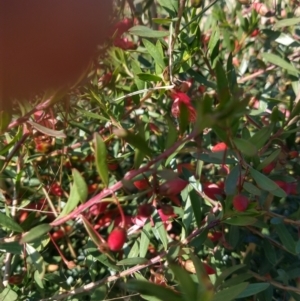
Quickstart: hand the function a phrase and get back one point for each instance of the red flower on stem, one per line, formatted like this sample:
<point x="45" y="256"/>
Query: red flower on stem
<point x="181" y="99"/>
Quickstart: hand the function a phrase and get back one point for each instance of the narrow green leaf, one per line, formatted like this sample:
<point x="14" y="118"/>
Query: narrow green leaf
<point x="267" y="184"/>
<point x="151" y="289"/>
<point x="195" y="202"/>
<point x="101" y="159"/>
<point x="35" y="233"/>
<point x="269" y="159"/>
<point x="145" y="240"/>
<point x="171" y="134"/>
<point x="227" y="272"/>
<point x="80" y="185"/>
<point x="8" y="295"/>
<point x="92" y="233"/>
<point x="47" y="131"/>
<point x="135" y="140"/>
<point x="37" y="260"/>
<point x="144" y="31"/>
<point x="286" y="238"/>
<point x="76" y="195"/>
<point x="9" y="223"/>
<point x="253" y="289"/>
<point x="133" y="261"/>
<point x="232" y="180"/>
<point x="149" y="77"/>
<point x="154" y="52"/>
<point x="240" y="221"/>
<point x="162" y="233"/>
<point x="230" y="293"/>
<point x="252" y="189"/>
<point x="222" y="85"/>
<point x="286" y="22"/>
<point x="269" y="251"/>
<point x="278" y="61"/>
<point x="245" y="146"/>
<point x="187" y="286"/>
<point x="261" y="137"/>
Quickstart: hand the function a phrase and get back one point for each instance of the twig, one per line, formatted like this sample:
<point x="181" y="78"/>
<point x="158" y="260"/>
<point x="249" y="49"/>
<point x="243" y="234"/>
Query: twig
<point x="275" y="283"/>
<point x="255" y="74"/>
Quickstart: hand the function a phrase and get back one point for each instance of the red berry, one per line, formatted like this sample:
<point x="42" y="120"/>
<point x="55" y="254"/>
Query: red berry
<point x="219" y="147"/>
<point x="240" y="202"/>
<point x="141" y="184"/>
<point x="173" y="187"/>
<point x="269" y="168"/>
<point x="116" y="239"/>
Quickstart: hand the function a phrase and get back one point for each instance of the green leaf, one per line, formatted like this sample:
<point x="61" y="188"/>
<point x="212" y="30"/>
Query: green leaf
<point x="92" y="233"/>
<point x="269" y="159"/>
<point x="222" y="85"/>
<point x="286" y="238"/>
<point x="78" y="193"/>
<point x="144" y="31"/>
<point x="11" y="247"/>
<point x="286" y="22"/>
<point x="270" y="252"/>
<point x="155" y="53"/>
<point x="47" y="131"/>
<point x="253" y="289"/>
<point x="230" y="293"/>
<point x="37" y="260"/>
<point x="149" y="77"/>
<point x="187" y="286"/>
<point x="101" y="159"/>
<point x="252" y="189"/>
<point x="162" y="233"/>
<point x="245" y="146"/>
<point x="35" y="233"/>
<point x="151" y="289"/>
<point x="195" y="202"/>
<point x="135" y="140"/>
<point x="232" y="180"/>
<point x="8" y="295"/>
<point x="9" y="223"/>
<point x="145" y="240"/>
<point x="133" y="261"/>
<point x="171" y="134"/>
<point x="227" y="272"/>
<point x="261" y="137"/>
<point x="240" y="221"/>
<point x="80" y="185"/>
<point x="278" y="61"/>
<point x="267" y="184"/>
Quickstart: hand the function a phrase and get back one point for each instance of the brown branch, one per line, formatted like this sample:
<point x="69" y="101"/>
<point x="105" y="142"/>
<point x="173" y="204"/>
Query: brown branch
<point x="275" y="283"/>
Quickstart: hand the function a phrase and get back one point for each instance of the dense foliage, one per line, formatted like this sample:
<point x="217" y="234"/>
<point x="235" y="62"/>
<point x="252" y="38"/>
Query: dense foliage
<point x="171" y="173"/>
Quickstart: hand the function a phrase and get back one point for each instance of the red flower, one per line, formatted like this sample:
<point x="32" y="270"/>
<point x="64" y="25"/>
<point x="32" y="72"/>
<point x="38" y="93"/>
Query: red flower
<point x="172" y="187"/>
<point x="123" y="26"/>
<point x="179" y="100"/>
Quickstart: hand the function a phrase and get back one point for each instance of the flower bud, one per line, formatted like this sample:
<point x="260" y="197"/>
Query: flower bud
<point x="116" y="239"/>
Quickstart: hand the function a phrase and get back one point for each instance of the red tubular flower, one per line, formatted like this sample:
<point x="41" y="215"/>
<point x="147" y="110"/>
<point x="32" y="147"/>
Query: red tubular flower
<point x="172" y="187"/>
<point x="181" y="98"/>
